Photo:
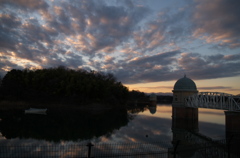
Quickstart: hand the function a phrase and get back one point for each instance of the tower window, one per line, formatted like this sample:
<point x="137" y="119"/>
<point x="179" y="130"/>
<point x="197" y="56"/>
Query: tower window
<point x="175" y="98"/>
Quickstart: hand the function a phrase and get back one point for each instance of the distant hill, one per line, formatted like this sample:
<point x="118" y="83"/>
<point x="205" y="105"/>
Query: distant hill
<point x="164" y="99"/>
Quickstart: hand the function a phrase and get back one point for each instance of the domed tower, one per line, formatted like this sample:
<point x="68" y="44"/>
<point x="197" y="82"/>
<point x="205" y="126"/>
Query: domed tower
<point x="153" y="99"/>
<point x="184" y="117"/>
<point x="183" y="87"/>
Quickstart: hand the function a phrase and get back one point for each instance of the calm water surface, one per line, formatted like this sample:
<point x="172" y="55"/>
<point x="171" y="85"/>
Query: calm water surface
<point x="150" y="125"/>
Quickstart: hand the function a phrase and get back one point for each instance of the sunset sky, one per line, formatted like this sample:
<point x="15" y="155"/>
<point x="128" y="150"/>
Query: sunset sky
<point x="147" y="44"/>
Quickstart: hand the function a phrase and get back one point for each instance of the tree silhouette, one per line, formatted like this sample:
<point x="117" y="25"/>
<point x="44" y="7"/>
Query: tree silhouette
<point x="61" y="84"/>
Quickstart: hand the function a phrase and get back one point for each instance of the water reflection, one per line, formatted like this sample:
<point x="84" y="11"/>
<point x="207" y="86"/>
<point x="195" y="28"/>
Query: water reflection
<point x="190" y="142"/>
<point x="140" y="125"/>
<point x="112" y="126"/>
<point x="152" y="109"/>
<point x="59" y="125"/>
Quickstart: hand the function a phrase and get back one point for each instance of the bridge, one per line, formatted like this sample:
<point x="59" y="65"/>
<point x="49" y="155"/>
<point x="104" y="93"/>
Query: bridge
<point x="213" y="100"/>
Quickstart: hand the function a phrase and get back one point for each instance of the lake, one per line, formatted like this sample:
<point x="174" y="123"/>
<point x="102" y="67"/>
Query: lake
<point x="140" y="125"/>
<point x="143" y="125"/>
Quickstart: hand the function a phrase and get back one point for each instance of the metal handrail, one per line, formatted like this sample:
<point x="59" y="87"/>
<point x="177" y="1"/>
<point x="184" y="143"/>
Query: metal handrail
<point x="213" y="100"/>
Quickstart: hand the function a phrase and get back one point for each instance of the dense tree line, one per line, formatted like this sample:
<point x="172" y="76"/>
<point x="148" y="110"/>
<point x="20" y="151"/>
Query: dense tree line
<point x="63" y="85"/>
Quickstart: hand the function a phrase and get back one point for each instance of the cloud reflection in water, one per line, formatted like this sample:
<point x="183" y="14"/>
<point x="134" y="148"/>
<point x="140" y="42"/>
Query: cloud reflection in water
<point x="145" y="127"/>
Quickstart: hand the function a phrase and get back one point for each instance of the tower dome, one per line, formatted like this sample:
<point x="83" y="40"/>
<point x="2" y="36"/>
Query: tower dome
<point x="185" y="84"/>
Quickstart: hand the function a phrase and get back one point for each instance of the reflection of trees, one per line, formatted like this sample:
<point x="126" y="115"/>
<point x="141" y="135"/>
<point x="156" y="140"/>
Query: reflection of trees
<point x="62" y="124"/>
<point x="136" y="110"/>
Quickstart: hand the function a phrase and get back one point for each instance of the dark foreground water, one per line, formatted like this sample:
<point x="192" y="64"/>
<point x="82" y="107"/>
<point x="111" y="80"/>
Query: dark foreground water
<point x="58" y="128"/>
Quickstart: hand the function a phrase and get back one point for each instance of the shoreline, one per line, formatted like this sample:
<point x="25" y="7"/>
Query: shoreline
<point x="90" y="107"/>
<point x="93" y="108"/>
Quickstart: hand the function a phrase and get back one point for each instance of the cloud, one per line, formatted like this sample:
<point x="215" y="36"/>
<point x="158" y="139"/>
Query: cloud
<point x="148" y="68"/>
<point x="217" y="22"/>
<point x="163" y="31"/>
<point x="42" y="29"/>
<point x="113" y="26"/>
<point x="6" y="65"/>
<point x="8" y="21"/>
<point x="158" y="87"/>
<point x="170" y="65"/>
<point x="218" y="88"/>
<point x="135" y="42"/>
<point x="206" y="67"/>
<point x="215" y="87"/>
<point x="25" y="4"/>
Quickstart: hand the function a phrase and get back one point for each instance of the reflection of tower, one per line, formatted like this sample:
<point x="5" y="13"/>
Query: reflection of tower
<point x="152" y="109"/>
<point x="152" y="103"/>
<point x="183" y="118"/>
<point x="232" y="126"/>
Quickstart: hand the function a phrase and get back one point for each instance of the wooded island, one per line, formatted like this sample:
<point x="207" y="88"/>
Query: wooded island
<point x="66" y="87"/>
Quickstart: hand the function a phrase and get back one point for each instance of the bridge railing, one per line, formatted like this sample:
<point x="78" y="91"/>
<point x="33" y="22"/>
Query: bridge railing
<point x="213" y="100"/>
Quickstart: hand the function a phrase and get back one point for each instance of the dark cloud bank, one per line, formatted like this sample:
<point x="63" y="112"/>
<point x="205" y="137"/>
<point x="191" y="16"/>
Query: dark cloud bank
<point x="122" y="38"/>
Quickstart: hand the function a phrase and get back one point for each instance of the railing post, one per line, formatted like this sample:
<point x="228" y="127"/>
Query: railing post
<point x="175" y="149"/>
<point x="205" y="144"/>
<point x="228" y="144"/>
<point x="89" y="145"/>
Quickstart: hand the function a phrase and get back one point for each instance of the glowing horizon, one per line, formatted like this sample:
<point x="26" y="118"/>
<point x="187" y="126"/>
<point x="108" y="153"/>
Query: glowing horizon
<point x="225" y="85"/>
